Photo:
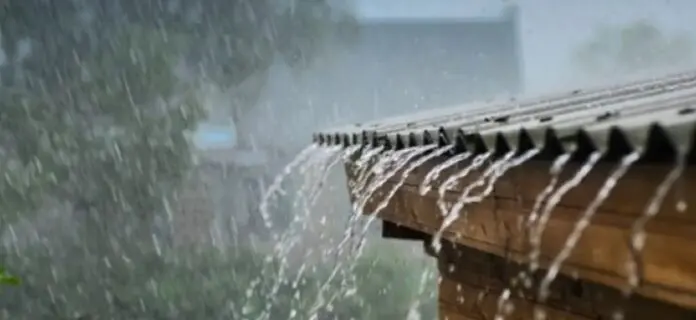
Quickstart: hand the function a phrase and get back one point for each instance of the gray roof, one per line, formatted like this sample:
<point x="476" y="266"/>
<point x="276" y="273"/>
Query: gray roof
<point x="628" y="116"/>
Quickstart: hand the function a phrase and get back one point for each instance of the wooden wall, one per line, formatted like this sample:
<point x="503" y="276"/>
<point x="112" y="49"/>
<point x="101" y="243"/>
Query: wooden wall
<point x="495" y="226"/>
<point x="473" y="281"/>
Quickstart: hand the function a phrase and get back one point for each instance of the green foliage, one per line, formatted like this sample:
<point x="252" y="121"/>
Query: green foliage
<point x="95" y="115"/>
<point x="636" y="47"/>
<point x="387" y="284"/>
<point x="7" y="279"/>
<point x="230" y="284"/>
<point x="111" y="140"/>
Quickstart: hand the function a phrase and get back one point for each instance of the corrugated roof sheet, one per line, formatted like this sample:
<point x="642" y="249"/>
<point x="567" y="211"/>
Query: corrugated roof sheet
<point x="626" y="116"/>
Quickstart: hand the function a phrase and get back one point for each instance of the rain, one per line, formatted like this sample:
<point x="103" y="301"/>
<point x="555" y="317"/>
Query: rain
<point x="166" y="159"/>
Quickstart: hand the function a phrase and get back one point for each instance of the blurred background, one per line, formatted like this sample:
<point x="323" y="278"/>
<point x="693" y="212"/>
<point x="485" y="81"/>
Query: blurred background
<point x="137" y="139"/>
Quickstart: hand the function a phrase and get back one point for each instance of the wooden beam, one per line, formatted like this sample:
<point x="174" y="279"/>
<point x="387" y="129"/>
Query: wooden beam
<point x="496" y="225"/>
<point x="473" y="281"/>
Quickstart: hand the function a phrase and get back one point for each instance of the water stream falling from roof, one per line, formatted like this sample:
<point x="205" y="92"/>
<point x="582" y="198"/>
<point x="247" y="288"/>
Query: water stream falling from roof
<point x="584" y="221"/>
<point x="638" y="236"/>
<point x="275" y="187"/>
<point x="417" y="151"/>
<point x="382" y="170"/>
<point x="476" y="163"/>
<point x="435" y="172"/>
<point x="378" y="174"/>
<point x="538" y="228"/>
<point x="504" y="307"/>
<point x="453" y="213"/>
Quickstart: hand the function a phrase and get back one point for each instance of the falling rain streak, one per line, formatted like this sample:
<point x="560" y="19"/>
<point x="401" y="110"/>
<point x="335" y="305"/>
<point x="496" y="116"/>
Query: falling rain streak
<point x="404" y="175"/>
<point x="475" y="164"/>
<point x="276" y="186"/>
<point x="496" y="170"/>
<point x="585" y="220"/>
<point x="377" y="175"/>
<point x="434" y="174"/>
<point x="638" y="236"/>
<point x="504" y="307"/>
<point x="537" y="230"/>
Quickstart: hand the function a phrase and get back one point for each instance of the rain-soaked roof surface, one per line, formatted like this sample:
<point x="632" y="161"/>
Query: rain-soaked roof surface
<point x="647" y="114"/>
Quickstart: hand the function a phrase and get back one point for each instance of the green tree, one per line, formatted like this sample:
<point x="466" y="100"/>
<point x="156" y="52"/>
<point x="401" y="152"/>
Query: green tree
<point x="92" y="112"/>
<point x="95" y="114"/>
<point x="633" y="48"/>
<point x="7" y="279"/>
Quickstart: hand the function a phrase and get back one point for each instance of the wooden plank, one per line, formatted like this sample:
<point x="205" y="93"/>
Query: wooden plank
<point x="630" y="197"/>
<point x="449" y="312"/>
<point x="482" y="303"/>
<point x="494" y="225"/>
<point x="472" y="282"/>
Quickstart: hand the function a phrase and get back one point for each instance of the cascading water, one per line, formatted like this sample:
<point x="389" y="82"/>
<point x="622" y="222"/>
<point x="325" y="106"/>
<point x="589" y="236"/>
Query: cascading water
<point x="385" y="201"/>
<point x="400" y="159"/>
<point x="378" y="174"/>
<point x="537" y="230"/>
<point x="638" y="236"/>
<point x="476" y="163"/>
<point x="278" y="181"/>
<point x="499" y="173"/>
<point x="434" y="174"/>
<point x="495" y="171"/>
<point x="504" y="307"/>
<point x="284" y="243"/>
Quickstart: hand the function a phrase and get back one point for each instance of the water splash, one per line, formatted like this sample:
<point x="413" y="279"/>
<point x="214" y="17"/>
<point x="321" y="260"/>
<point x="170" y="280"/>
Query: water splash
<point x="538" y="229"/>
<point x="493" y="174"/>
<point x="386" y="166"/>
<point x="476" y="163"/>
<point x="507" y="165"/>
<point x="363" y="168"/>
<point x="321" y="165"/>
<point x="372" y="170"/>
<point x="413" y="312"/>
<point x="435" y="172"/>
<point x="315" y="171"/>
<point x="404" y="175"/>
<point x="400" y="160"/>
<point x="554" y="172"/>
<point x="585" y="220"/>
<point x="504" y="307"/>
<point x="638" y="236"/>
<point x="348" y="153"/>
<point x="681" y="195"/>
<point x="413" y="166"/>
<point x="275" y="187"/>
<point x="383" y="173"/>
<point x="357" y="253"/>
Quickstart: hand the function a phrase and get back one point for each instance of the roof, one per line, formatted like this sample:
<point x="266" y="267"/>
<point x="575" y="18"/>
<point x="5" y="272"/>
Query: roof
<point x="645" y="114"/>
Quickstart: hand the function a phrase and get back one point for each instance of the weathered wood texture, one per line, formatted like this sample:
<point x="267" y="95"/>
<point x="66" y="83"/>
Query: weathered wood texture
<point x="496" y="225"/>
<point x="473" y="281"/>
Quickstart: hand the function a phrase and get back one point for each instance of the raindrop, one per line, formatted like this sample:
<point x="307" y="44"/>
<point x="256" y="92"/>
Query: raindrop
<point x="638" y="236"/>
<point x="584" y="221"/>
<point x="537" y="230"/>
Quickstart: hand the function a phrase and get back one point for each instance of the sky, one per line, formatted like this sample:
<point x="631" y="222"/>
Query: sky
<point x="550" y="29"/>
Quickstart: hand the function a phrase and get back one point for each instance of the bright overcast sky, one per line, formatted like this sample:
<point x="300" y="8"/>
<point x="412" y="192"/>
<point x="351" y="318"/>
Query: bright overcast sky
<point x="550" y="28"/>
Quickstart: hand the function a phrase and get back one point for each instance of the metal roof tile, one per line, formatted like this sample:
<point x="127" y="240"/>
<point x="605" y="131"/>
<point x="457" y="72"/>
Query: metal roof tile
<point x="632" y="109"/>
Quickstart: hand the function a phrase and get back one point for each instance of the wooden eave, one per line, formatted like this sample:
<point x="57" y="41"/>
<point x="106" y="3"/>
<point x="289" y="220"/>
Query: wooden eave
<point x="654" y="116"/>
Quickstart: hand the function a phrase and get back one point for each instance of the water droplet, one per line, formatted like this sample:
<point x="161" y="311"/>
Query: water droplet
<point x="681" y="206"/>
